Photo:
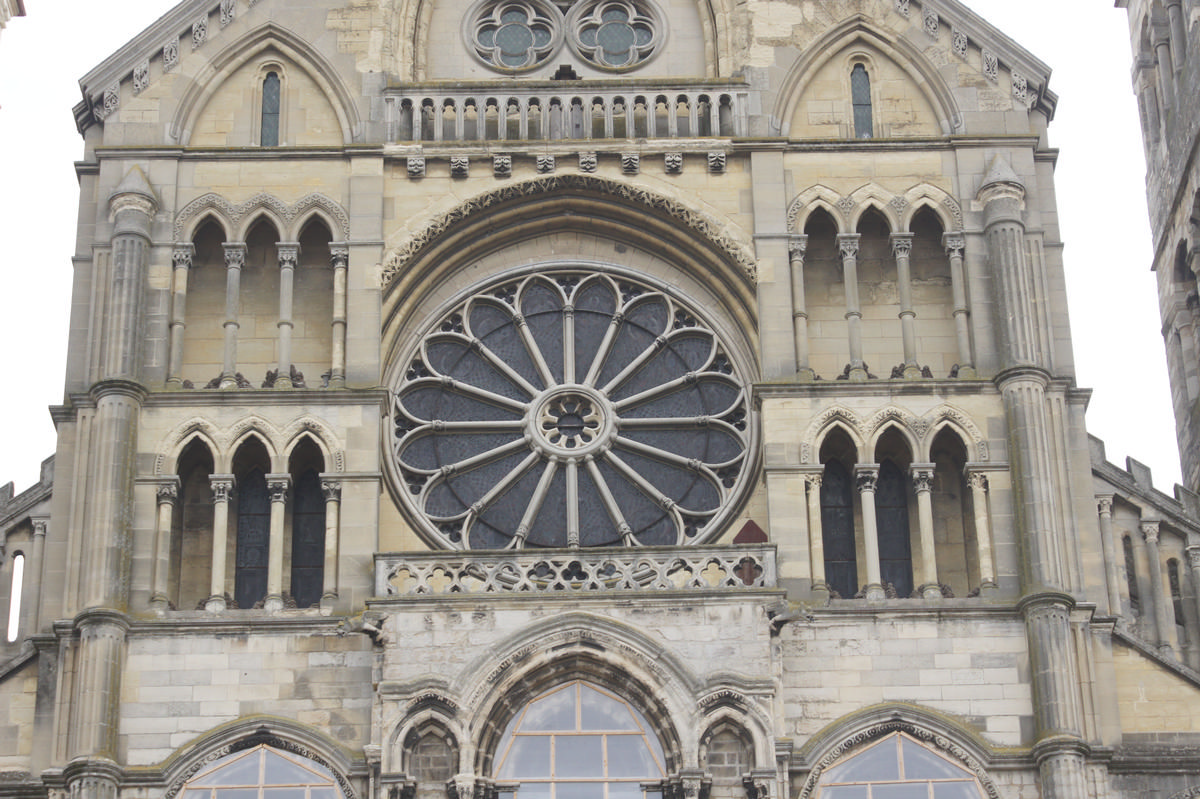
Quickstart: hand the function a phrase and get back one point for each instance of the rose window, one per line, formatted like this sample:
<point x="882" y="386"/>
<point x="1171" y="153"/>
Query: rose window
<point x="615" y="34"/>
<point x="515" y="35"/>
<point x="570" y="409"/>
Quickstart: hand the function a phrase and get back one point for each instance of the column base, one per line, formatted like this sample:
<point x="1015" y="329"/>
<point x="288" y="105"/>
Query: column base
<point x="931" y="591"/>
<point x="215" y="604"/>
<point x="875" y="593"/>
<point x="273" y="603"/>
<point x="858" y="374"/>
<point x="966" y="373"/>
<point x="160" y="605"/>
<point x="327" y="603"/>
<point x="912" y="372"/>
<point x="820" y="591"/>
<point x="805" y="375"/>
<point x="228" y="381"/>
<point x="1167" y="651"/>
<point x="988" y="588"/>
<point x="283" y="382"/>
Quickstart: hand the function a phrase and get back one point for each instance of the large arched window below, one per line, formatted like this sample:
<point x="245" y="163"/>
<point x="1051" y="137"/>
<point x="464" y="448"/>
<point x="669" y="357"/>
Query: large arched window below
<point x="263" y="773"/>
<point x="577" y="741"/>
<point x="898" y="767"/>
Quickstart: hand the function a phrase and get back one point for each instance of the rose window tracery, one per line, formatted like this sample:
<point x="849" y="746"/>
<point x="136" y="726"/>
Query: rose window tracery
<point x="615" y="34"/>
<point x="570" y="408"/>
<point x="514" y="36"/>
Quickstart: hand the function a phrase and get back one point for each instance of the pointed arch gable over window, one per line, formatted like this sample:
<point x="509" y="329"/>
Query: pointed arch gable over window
<point x="269" y="37"/>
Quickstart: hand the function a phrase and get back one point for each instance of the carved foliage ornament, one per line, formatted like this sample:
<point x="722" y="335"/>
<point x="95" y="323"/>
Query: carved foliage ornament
<point x="287" y="213"/>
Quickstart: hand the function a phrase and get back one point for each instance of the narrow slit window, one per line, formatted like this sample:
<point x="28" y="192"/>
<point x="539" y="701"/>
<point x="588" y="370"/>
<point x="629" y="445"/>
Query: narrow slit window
<point x="270" y="110"/>
<point x="1135" y="600"/>
<point x="860" y="96"/>
<point x="14" y="597"/>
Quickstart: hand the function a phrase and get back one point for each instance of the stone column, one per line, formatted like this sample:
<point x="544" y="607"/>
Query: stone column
<point x="816" y="540"/>
<point x="866" y="476"/>
<point x="167" y="493"/>
<point x="1109" y="545"/>
<point x="848" y="246"/>
<point x="955" y="243"/>
<point x="1178" y="34"/>
<point x="182" y="260"/>
<point x="222" y="488"/>
<point x="983" y="531"/>
<point x="1022" y="382"/>
<point x="1166" y="65"/>
<point x="1159" y="599"/>
<point x="277" y="485"/>
<point x="902" y="249"/>
<point x="93" y="728"/>
<point x="289" y="254"/>
<point x="922" y="476"/>
<point x="31" y="584"/>
<point x="1183" y="322"/>
<point x="235" y="259"/>
<point x="796" y="250"/>
<point x="339" y="256"/>
<point x="332" y="489"/>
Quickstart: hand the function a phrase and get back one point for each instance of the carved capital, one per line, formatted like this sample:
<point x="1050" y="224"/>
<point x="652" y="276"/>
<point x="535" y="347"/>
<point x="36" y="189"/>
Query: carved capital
<point x="222" y="486"/>
<point x="814" y="481"/>
<point x="168" y="492"/>
<point x="902" y="244"/>
<point x="332" y="490"/>
<point x="235" y="254"/>
<point x="40" y="525"/>
<point x="339" y="256"/>
<point x="922" y="477"/>
<point x="277" y="486"/>
<point x="977" y="481"/>
<point x="289" y="254"/>
<point x="848" y="245"/>
<point x="954" y="243"/>
<point x="866" y="475"/>
<point x="182" y="255"/>
<point x="1150" y="532"/>
<point x="1104" y="504"/>
<point x="1193" y="554"/>
<point x="797" y="247"/>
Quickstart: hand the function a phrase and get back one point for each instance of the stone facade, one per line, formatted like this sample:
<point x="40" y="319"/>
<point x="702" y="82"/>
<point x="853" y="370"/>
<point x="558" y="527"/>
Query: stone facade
<point x="599" y="398"/>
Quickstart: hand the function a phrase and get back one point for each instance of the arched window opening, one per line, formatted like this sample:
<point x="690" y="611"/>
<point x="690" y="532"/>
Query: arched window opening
<point x="258" y="311"/>
<point x="726" y="756"/>
<point x="263" y="773"/>
<point x="312" y="306"/>
<point x="14" y="597"/>
<point x="202" y="354"/>
<point x="825" y="296"/>
<point x="270" y="110"/>
<point x="932" y="293"/>
<point x="837" y="515"/>
<point x="1177" y="601"/>
<point x="892" y="507"/>
<point x="879" y="296"/>
<point x="308" y="526"/>
<point x="953" y="516"/>
<point x="578" y="741"/>
<point x="898" y="767"/>
<point x="431" y="758"/>
<point x="1131" y="583"/>
<point x="860" y="97"/>
<point x="253" y="525"/>
<point x="189" y="581"/>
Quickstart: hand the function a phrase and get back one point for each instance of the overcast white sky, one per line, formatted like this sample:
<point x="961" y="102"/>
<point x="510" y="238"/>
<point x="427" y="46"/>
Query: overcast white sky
<point x="1100" y="192"/>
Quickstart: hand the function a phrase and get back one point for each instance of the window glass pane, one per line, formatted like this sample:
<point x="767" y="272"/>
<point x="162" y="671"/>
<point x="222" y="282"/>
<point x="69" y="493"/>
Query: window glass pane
<point x="920" y="763"/>
<point x="197" y="793"/>
<point x="553" y="712"/>
<point x="914" y="790"/>
<point x="534" y="790"/>
<point x="601" y="712"/>
<point x="955" y="790"/>
<point x="285" y="793"/>
<point x="281" y="771"/>
<point x="528" y="757"/>
<point x="578" y="756"/>
<point x="845" y="792"/>
<point x="243" y="771"/>
<point x="877" y="763"/>
<point x="579" y="790"/>
<point x="324" y="793"/>
<point x="237" y="793"/>
<point x="623" y="790"/>
<point x="628" y="756"/>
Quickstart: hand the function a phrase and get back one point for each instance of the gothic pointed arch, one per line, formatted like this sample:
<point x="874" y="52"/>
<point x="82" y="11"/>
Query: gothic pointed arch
<point x="898" y="420"/>
<point x="269" y="36"/>
<point x="321" y="434"/>
<point x="808" y="201"/>
<point x="940" y="202"/>
<point x="177" y="440"/>
<point x="258" y="428"/>
<point x="251" y="731"/>
<point x="873" y="197"/>
<point x="857" y="30"/>
<point x="943" y="734"/>
<point x="837" y="417"/>
<point x="948" y="416"/>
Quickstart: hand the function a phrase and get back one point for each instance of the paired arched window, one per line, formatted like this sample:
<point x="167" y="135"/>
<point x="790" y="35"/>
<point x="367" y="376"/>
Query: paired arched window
<point x="578" y="741"/>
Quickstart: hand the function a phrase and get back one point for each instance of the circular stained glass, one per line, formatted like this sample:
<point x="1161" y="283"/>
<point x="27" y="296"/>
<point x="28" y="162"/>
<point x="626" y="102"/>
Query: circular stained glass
<point x="570" y="408"/>
<point x="616" y="34"/>
<point x="514" y="35"/>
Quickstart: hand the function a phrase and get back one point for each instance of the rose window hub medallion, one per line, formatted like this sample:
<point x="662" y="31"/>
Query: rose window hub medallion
<point x="570" y="408"/>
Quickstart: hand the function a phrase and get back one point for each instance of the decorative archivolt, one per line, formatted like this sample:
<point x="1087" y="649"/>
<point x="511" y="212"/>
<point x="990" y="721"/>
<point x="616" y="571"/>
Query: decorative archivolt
<point x="737" y="251"/>
<point x="931" y="734"/>
<point x="224" y="441"/>
<point x="919" y="431"/>
<point x="1190" y="793"/>
<point x="235" y="218"/>
<point x="898" y="209"/>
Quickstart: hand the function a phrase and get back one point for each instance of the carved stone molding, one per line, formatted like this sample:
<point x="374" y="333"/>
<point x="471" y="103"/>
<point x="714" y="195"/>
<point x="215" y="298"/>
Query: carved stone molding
<point x="287" y="213"/>
<point x="170" y="55"/>
<point x="587" y="162"/>
<point x="415" y="166"/>
<point x="460" y="166"/>
<point x="697" y="221"/>
<point x="991" y="65"/>
<point x="228" y="12"/>
<point x="959" y="43"/>
<point x="502" y="166"/>
<point x="262" y="736"/>
<point x="141" y="76"/>
<point x="902" y="8"/>
<point x="199" y="31"/>
<point x="545" y="164"/>
<point x="631" y="163"/>
<point x="930" y="21"/>
<point x="716" y="162"/>
<point x="673" y="163"/>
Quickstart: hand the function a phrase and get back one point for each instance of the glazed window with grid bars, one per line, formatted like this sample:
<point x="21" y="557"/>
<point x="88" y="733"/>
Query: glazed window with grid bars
<point x="262" y="773"/>
<point x="898" y="767"/>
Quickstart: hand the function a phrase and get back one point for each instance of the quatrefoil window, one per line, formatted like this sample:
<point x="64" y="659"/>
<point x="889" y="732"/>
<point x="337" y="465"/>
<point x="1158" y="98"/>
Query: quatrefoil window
<point x="515" y="35"/>
<point x="570" y="408"/>
<point x="616" y="34"/>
